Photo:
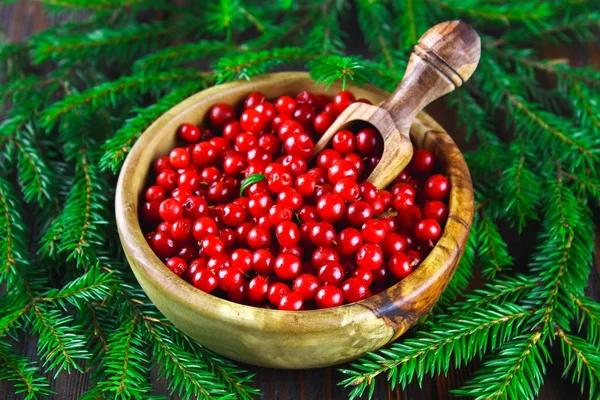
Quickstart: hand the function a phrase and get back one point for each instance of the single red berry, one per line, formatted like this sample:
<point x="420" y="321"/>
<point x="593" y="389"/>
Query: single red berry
<point x="331" y="208"/>
<point x="307" y="213"/>
<point x="253" y="121"/>
<point x="245" y="141"/>
<point x="231" y="130"/>
<point x="227" y="236"/>
<point x="241" y="259"/>
<point x="253" y="99"/>
<point x="286" y="105"/>
<point x="329" y="296"/>
<point x="195" y="207"/>
<point x="163" y="227"/>
<point x="267" y="110"/>
<point x="331" y="273"/>
<point x="322" y="255"/>
<point x="404" y="188"/>
<point x="393" y="243"/>
<point x="290" y="198"/>
<point x="374" y="230"/>
<point x="305" y="184"/>
<point x="258" y="288"/>
<point x="204" y="280"/>
<point x="215" y="264"/>
<point x="155" y="193"/>
<point x="188" y="252"/>
<point x="327" y="157"/>
<point x="150" y="212"/>
<point x="279" y="180"/>
<point x="341" y="169"/>
<point x="306" y="285"/>
<point x="170" y="210"/>
<point x="402" y="200"/>
<point x="230" y="279"/>
<point x="163" y="244"/>
<point x="300" y="145"/>
<point x="204" y="226"/>
<point x="369" y="256"/>
<point x="323" y="121"/>
<point x="428" y="230"/>
<point x="364" y="275"/>
<point x="359" y="212"/>
<point x="295" y="164"/>
<point x="347" y="189"/>
<point x="279" y="213"/>
<point x="290" y="302"/>
<point x="305" y="115"/>
<point x="344" y="141"/>
<point x="408" y="216"/>
<point x="400" y="265"/>
<point x="422" y="162"/>
<point x="177" y="265"/>
<point x="305" y="97"/>
<point x="289" y="128"/>
<point x="436" y="187"/>
<point x="269" y="143"/>
<point x="369" y="142"/>
<point x="342" y="100"/>
<point x="195" y="265"/>
<point x="167" y="179"/>
<point x="161" y="163"/>
<point x="348" y="241"/>
<point x="212" y="246"/>
<point x="357" y="161"/>
<point x="204" y="154"/>
<point x="239" y="294"/>
<point x="221" y="114"/>
<point x="262" y="261"/>
<point x="390" y="223"/>
<point x="188" y="132"/>
<point x="368" y="191"/>
<point x="322" y="234"/>
<point x="259" y="204"/>
<point x="234" y="215"/>
<point x="436" y="210"/>
<point x="287" y="266"/>
<point x="288" y="233"/>
<point x="211" y="175"/>
<point x="258" y="238"/>
<point x="181" y="230"/>
<point x="179" y="157"/>
<point x="276" y="291"/>
<point x="355" y="289"/>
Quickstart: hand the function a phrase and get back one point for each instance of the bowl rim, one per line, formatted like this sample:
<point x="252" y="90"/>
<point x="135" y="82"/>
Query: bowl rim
<point x="241" y="315"/>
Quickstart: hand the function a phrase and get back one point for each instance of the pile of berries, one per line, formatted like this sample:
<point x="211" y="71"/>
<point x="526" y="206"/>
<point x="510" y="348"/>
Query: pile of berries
<point x="244" y="211"/>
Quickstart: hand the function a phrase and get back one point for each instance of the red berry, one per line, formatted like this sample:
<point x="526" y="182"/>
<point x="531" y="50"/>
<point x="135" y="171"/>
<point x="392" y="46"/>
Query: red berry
<point x="241" y="259"/>
<point x="177" y="265"/>
<point x="324" y="254"/>
<point x="369" y="256"/>
<point x="262" y="261"/>
<point x="404" y="188"/>
<point x="329" y="296"/>
<point x="287" y="266"/>
<point x="304" y="114"/>
<point x="181" y="230"/>
<point x="212" y="246"/>
<point x="204" y="154"/>
<point x="188" y="132"/>
<point x="400" y="265"/>
<point x="342" y="100"/>
<point x="289" y="128"/>
<point x="195" y="207"/>
<point x="167" y="178"/>
<point x="267" y="110"/>
<point x="238" y="295"/>
<point x="204" y="226"/>
<point x="215" y="264"/>
<point x="150" y="212"/>
<point x="295" y="164"/>
<point x="259" y="204"/>
<point x="155" y="193"/>
<point x="408" y="216"/>
<point x="290" y="302"/>
<point x="331" y="273"/>
<point x="279" y="180"/>
<point x="327" y="157"/>
<point x="258" y="288"/>
<point x="288" y="233"/>
<point x="300" y="145"/>
<point x="306" y="285"/>
<point x="436" y="210"/>
<point x="364" y="275"/>
<point x="331" y="208"/>
<point x="227" y="236"/>
<point x="344" y="141"/>
<point x="307" y="213"/>
<point x="276" y="291"/>
<point x="161" y="164"/>
<point x="428" y="230"/>
<point x="234" y="215"/>
<point x="323" y="121"/>
<point x="341" y="169"/>
<point x="393" y="243"/>
<point x="286" y="105"/>
<point x="369" y="142"/>
<point x="231" y="130"/>
<point x="290" y="198"/>
<point x="374" y="230"/>
<point x="163" y="244"/>
<point x="322" y="234"/>
<point x="357" y="161"/>
<point x="253" y="99"/>
<point x="348" y="241"/>
<point x="358" y="213"/>
<point x="230" y="279"/>
<point x="253" y="121"/>
<point x="170" y="210"/>
<point x="221" y="114"/>
<point x="279" y="213"/>
<point x="179" y="157"/>
<point x="436" y="187"/>
<point x="347" y="189"/>
<point x="204" y="280"/>
<point x="355" y="289"/>
<point x="305" y="184"/>
<point x="422" y="162"/>
<point x="258" y="238"/>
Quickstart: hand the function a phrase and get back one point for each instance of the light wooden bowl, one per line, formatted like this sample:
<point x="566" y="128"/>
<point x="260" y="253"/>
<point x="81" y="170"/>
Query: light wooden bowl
<point x="286" y="339"/>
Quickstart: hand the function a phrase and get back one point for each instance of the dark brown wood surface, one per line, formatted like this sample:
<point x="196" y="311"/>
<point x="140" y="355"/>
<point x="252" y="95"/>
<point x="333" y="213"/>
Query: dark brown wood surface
<point x="20" y="20"/>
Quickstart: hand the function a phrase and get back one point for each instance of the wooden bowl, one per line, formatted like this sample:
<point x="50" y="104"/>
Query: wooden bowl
<point x="286" y="339"/>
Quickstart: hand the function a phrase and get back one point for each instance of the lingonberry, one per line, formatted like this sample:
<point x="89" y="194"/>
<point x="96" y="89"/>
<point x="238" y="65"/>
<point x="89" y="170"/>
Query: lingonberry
<point x="258" y="288"/>
<point x="331" y="207"/>
<point x="287" y="233"/>
<point x="167" y="178"/>
<point x="204" y="280"/>
<point x="369" y="142"/>
<point x="239" y="294"/>
<point x="402" y="200"/>
<point x="364" y="275"/>
<point x="245" y="141"/>
<point x="227" y="236"/>
<point x="241" y="259"/>
<point x="259" y="204"/>
<point x="163" y="244"/>
<point x="344" y="141"/>
<point x="204" y="154"/>
<point x="203" y="227"/>
<point x="358" y="213"/>
<point x="342" y="100"/>
<point x="436" y="210"/>
<point x="422" y="162"/>
<point x="321" y="255"/>
<point x="188" y="132"/>
<point x="230" y="279"/>
<point x="404" y="188"/>
<point x="322" y="234"/>
<point x="233" y="214"/>
<point x="170" y="210"/>
<point x="221" y="114"/>
<point x="393" y="243"/>
<point x="307" y="98"/>
<point x="253" y="121"/>
<point x="331" y="273"/>
<point x="189" y="180"/>
<point x="323" y="121"/>
<point x="212" y="246"/>
<point x="348" y="241"/>
<point x="155" y="193"/>
<point x="215" y="264"/>
<point x="356" y="161"/>
<point x="436" y="187"/>
<point x="290" y="198"/>
<point x="160" y="164"/>
<point x="347" y="189"/>
<point x="305" y="184"/>
<point x="179" y="157"/>
<point x="329" y="296"/>
<point x="300" y="145"/>
<point x="181" y="230"/>
<point x="428" y="230"/>
<point x="253" y="99"/>
<point x="408" y="216"/>
<point x="341" y="169"/>
<point x="262" y="261"/>
<point x="195" y="207"/>
<point x="286" y="105"/>
<point x="231" y="130"/>
<point x="355" y="289"/>
<point x="279" y="213"/>
<point x="306" y="285"/>
<point x="374" y="230"/>
<point x="295" y="164"/>
<point x="369" y="256"/>
<point x="276" y="291"/>
<point x="400" y="265"/>
<point x="327" y="157"/>
<point x="290" y="301"/>
<point x="307" y="213"/>
<point x="188" y="252"/>
<point x="177" y="265"/>
<point x="293" y="249"/>
<point x="258" y="238"/>
<point x="368" y="191"/>
<point x="289" y="128"/>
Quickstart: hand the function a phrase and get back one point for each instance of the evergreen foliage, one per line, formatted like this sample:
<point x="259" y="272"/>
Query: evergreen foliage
<point x="76" y="97"/>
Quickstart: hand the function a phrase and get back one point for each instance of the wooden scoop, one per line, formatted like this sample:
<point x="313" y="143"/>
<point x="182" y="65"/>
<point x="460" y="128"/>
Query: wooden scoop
<point x="444" y="58"/>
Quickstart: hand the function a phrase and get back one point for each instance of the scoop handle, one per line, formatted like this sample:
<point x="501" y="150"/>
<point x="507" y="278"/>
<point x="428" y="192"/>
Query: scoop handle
<point x="445" y="57"/>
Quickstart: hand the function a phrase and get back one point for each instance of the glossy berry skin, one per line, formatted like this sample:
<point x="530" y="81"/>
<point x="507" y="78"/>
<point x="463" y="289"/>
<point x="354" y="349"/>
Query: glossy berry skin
<point x="155" y="193"/>
<point x="258" y="288"/>
<point x="329" y="296"/>
<point x="167" y="179"/>
<point x="341" y="169"/>
<point x="436" y="187"/>
<point x="234" y="215"/>
<point x="290" y="302"/>
<point x="358" y="213"/>
<point x="204" y="226"/>
<point x="327" y="157"/>
<point x="253" y="121"/>
<point x="400" y="265"/>
<point x="221" y="114"/>
<point x="393" y="243"/>
<point x="436" y="210"/>
<point x="204" y="154"/>
<point x="322" y="234"/>
<point x="408" y="217"/>
<point x="258" y="238"/>
<point x="374" y="230"/>
<point x="212" y="246"/>
<point x="163" y="244"/>
<point x="422" y="162"/>
<point x="204" y="280"/>
<point x="347" y="189"/>
<point x="177" y="265"/>
<point x="342" y="100"/>
<point x="331" y="273"/>
<point x="287" y="266"/>
<point x="150" y="212"/>
<point x="195" y="207"/>
<point x="179" y="157"/>
<point x="369" y="256"/>
<point x="230" y="279"/>
<point x="253" y="99"/>
<point x="355" y="289"/>
<point x="276" y="291"/>
<point x="188" y="132"/>
<point x="344" y="141"/>
<point x="322" y="255"/>
<point x="290" y="198"/>
<point x="287" y="233"/>
<point x="286" y="105"/>
<point x="348" y="241"/>
<point x="181" y="230"/>
<point x="259" y="204"/>
<point x="428" y="230"/>
<point x="323" y="121"/>
<point x="369" y="142"/>
<point x="331" y="208"/>
<point x="364" y="275"/>
<point x="300" y="145"/>
<point x="306" y="285"/>
<point x="263" y="261"/>
<point x="241" y="259"/>
<point x="305" y="184"/>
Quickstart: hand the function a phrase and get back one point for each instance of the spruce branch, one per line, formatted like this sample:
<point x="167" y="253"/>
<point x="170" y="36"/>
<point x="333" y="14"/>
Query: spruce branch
<point x="172" y="56"/>
<point x="35" y="177"/>
<point x="374" y="20"/>
<point x="526" y="11"/>
<point x="491" y="248"/>
<point x="23" y="373"/>
<point x="582" y="361"/>
<point x="329" y="69"/>
<point x="13" y="241"/>
<point x="94" y="4"/>
<point x="588" y="315"/>
<point x="431" y="351"/>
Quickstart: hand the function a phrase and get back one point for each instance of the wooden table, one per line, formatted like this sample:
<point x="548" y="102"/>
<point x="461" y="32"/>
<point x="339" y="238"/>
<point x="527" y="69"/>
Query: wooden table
<point x="20" y="20"/>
